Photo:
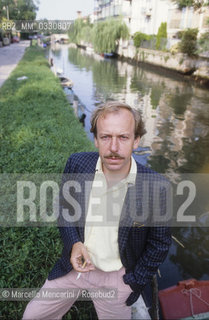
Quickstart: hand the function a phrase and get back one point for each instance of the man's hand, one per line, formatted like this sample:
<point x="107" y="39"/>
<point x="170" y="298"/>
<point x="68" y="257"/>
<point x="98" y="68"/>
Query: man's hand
<point x="79" y="255"/>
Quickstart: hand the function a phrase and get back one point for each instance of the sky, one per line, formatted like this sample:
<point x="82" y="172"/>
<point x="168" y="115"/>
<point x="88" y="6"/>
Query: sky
<point x="63" y="9"/>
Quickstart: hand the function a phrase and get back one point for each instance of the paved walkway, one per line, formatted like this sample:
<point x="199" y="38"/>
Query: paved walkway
<point x="9" y="58"/>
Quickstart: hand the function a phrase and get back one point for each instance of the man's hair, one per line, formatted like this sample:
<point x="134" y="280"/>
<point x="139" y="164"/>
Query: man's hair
<point x="115" y="106"/>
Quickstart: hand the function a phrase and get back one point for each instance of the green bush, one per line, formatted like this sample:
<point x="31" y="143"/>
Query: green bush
<point x="161" y="35"/>
<point x="179" y="34"/>
<point x="188" y="42"/>
<point x="203" y="42"/>
<point x="139" y="37"/>
<point x="175" y="48"/>
<point x="196" y="4"/>
<point x="184" y="3"/>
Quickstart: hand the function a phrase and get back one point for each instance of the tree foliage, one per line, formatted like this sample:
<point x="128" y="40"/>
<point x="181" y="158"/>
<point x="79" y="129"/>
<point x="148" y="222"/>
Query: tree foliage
<point x="86" y="34"/>
<point x="196" y="4"/>
<point x="106" y="35"/>
<point x="162" y="34"/>
<point x="203" y="43"/>
<point x="18" y="9"/>
<point x="80" y="30"/>
<point x="188" y="42"/>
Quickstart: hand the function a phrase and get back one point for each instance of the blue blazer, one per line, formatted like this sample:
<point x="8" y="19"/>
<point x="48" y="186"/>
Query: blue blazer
<point x="142" y="246"/>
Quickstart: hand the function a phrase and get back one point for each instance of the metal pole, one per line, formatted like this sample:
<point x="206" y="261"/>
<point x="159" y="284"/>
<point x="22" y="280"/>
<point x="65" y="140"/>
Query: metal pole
<point x="155" y="301"/>
<point x="7" y="12"/>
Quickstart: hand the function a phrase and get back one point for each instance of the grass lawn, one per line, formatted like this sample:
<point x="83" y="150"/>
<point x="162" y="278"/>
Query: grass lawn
<point x="38" y="132"/>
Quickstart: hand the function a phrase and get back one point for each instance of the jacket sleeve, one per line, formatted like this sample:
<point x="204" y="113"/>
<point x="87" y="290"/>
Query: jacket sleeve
<point x="158" y="241"/>
<point x="68" y="232"/>
<point x="155" y="241"/>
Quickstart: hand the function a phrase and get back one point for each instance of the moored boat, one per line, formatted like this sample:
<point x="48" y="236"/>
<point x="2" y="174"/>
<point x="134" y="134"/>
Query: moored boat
<point x="187" y="300"/>
<point x="110" y="55"/>
<point x="65" y="82"/>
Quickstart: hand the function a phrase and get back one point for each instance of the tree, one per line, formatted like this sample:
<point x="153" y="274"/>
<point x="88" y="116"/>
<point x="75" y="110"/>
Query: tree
<point x="196" y="4"/>
<point x="106" y="35"/>
<point x="18" y="9"/>
<point x="188" y="43"/>
<point x="4" y="8"/>
<point x="80" y="30"/>
<point x="162" y="34"/>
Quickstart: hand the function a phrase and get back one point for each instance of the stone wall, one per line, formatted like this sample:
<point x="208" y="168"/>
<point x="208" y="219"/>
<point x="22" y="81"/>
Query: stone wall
<point x="197" y="67"/>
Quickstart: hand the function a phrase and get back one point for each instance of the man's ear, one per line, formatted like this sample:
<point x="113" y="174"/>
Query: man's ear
<point x="95" y="142"/>
<point x="136" y="142"/>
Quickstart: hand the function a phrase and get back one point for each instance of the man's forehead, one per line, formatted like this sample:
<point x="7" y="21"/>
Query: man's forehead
<point x="113" y="122"/>
<point x="119" y="115"/>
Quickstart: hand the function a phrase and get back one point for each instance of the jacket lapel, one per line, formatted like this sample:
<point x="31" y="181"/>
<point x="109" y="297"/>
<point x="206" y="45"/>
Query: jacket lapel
<point x="86" y="177"/>
<point x="127" y="217"/>
<point x="132" y="206"/>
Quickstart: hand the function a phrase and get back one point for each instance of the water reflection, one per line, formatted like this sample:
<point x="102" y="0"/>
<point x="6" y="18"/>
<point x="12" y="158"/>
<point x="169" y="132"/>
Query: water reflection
<point x="176" y="114"/>
<point x="195" y="258"/>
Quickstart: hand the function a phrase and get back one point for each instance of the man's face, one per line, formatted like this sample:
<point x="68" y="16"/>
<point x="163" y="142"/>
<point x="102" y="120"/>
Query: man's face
<point x="116" y="140"/>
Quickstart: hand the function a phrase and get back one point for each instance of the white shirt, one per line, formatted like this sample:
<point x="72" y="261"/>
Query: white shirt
<point x="103" y="216"/>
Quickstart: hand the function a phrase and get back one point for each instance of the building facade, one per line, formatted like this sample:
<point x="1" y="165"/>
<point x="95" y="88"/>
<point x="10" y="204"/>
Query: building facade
<point x="147" y="15"/>
<point x="186" y="18"/>
<point x="108" y="8"/>
<point x="139" y="15"/>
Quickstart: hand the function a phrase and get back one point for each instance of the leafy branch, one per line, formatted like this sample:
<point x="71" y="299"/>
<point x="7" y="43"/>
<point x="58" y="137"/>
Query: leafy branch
<point x="196" y="4"/>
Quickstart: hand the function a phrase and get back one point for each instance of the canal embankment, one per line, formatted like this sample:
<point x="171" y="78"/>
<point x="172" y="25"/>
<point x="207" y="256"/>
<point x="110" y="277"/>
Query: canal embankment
<point x="39" y="131"/>
<point x="196" y="67"/>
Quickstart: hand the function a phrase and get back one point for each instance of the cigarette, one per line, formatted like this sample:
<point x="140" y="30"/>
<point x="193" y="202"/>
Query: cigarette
<point x="83" y="266"/>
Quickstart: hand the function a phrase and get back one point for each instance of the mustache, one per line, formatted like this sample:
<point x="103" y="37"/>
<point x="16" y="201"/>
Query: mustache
<point x="115" y="155"/>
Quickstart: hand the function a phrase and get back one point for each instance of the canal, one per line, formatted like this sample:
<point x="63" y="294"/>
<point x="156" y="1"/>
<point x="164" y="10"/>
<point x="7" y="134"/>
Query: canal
<point x="176" y="113"/>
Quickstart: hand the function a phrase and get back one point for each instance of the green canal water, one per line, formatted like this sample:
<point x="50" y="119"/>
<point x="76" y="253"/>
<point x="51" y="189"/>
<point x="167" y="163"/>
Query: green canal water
<point x="176" y="113"/>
